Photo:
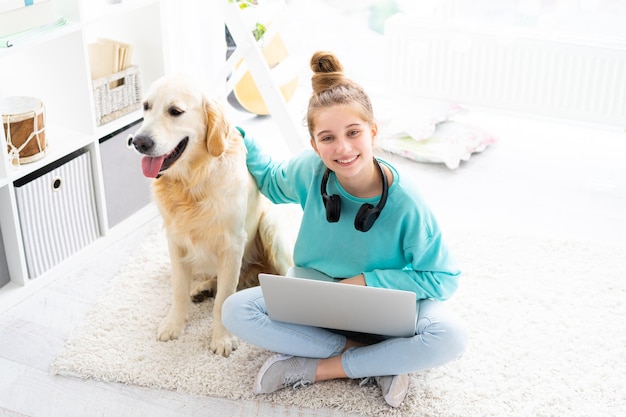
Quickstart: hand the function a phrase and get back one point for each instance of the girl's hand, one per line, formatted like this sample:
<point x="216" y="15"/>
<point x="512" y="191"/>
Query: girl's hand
<point x="357" y="280"/>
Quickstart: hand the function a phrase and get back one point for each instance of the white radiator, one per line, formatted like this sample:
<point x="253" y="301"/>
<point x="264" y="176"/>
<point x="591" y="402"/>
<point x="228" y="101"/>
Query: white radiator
<point x="546" y="74"/>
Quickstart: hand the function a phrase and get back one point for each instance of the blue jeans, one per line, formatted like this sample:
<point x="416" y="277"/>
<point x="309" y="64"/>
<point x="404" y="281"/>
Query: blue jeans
<point x="439" y="338"/>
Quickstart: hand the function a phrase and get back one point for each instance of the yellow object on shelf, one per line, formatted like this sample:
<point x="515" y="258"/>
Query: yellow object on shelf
<point x="246" y="91"/>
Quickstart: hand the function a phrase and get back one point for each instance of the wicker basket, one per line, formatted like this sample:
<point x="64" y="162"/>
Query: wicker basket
<point x="117" y="94"/>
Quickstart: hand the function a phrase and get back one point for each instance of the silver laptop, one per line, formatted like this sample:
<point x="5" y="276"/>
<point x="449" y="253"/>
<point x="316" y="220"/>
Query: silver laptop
<point x="311" y="298"/>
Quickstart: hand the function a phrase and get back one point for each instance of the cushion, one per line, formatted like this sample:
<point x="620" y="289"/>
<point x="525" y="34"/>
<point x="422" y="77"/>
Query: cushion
<point x="413" y="117"/>
<point x="450" y="143"/>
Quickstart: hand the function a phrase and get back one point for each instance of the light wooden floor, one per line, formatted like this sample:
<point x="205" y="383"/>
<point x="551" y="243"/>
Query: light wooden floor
<point x="540" y="178"/>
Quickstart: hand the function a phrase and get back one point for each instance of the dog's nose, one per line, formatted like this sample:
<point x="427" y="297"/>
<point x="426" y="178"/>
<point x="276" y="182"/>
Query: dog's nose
<point x="143" y="143"/>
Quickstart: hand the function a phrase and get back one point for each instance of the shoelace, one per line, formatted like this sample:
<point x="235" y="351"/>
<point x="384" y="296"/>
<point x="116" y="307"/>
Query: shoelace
<point x="296" y="382"/>
<point x="366" y="381"/>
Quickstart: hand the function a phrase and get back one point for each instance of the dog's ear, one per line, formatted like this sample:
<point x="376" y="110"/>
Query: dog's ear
<point x="216" y="128"/>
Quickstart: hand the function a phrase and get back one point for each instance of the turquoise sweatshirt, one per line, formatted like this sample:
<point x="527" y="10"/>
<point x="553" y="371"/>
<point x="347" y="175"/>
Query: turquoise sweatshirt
<point x="403" y="250"/>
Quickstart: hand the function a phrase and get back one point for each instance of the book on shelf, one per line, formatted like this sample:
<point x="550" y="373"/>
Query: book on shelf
<point x="108" y="56"/>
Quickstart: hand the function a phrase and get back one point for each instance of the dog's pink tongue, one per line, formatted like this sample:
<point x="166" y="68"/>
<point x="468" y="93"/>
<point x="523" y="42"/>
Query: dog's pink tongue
<point x="151" y="165"/>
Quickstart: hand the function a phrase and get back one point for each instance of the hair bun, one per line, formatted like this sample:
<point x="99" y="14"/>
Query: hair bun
<point x="325" y="62"/>
<point x="327" y="71"/>
<point x="332" y="88"/>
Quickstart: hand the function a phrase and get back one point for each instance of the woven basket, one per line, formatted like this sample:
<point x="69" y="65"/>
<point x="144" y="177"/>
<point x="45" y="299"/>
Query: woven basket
<point x="117" y="94"/>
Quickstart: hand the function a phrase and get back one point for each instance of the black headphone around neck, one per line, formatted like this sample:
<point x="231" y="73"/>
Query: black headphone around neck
<point x="367" y="214"/>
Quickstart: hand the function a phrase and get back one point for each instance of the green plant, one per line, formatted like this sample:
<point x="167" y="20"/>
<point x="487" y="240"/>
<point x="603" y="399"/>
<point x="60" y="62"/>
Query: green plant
<point x="243" y="4"/>
<point x="259" y="29"/>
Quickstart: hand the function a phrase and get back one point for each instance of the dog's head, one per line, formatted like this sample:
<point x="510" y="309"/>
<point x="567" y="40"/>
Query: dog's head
<point x="180" y="126"/>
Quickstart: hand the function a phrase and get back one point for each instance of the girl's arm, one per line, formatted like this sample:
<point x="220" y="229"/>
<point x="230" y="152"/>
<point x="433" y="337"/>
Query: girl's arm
<point x="432" y="272"/>
<point x="275" y="179"/>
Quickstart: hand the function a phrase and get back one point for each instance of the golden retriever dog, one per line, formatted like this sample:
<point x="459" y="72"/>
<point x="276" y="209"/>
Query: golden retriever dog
<point x="218" y="225"/>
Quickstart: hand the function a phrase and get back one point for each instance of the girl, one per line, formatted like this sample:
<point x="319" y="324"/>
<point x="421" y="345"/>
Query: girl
<point x="348" y="230"/>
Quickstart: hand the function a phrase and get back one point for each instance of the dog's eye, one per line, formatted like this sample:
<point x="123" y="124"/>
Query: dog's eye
<point x="175" y="111"/>
<point x="146" y="106"/>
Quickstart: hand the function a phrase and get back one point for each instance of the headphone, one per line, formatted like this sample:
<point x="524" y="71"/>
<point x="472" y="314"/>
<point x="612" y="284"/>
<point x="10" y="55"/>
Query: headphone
<point x="367" y="214"/>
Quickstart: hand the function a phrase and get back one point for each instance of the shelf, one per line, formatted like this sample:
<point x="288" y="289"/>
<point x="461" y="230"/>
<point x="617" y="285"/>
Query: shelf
<point x="54" y="68"/>
<point x="104" y="130"/>
<point x="39" y="39"/>
<point x="60" y="143"/>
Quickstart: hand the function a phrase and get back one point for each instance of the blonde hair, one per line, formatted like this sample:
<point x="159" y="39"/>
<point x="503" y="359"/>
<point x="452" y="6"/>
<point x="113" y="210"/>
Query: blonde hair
<point x="331" y="88"/>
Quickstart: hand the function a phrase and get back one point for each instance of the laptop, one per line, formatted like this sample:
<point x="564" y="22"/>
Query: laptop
<point x="309" y="297"/>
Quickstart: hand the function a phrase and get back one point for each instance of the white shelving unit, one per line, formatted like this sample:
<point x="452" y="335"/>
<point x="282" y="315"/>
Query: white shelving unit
<point x="54" y="67"/>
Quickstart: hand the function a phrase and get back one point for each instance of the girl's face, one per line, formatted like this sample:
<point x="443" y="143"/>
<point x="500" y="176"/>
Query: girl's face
<point x="344" y="141"/>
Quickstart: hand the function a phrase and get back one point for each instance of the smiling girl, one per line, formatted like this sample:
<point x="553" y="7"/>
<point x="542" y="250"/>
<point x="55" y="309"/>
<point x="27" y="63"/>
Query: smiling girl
<point x="363" y="223"/>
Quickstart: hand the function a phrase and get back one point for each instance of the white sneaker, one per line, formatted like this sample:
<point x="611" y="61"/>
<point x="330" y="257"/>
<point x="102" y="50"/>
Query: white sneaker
<point x="281" y="371"/>
<point x="394" y="387"/>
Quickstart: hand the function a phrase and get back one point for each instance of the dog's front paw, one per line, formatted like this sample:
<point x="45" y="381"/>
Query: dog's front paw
<point x="170" y="329"/>
<point x="224" y="345"/>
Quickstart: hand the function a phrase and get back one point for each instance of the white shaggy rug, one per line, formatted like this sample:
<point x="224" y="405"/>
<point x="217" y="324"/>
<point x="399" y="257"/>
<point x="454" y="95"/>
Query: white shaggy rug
<point x="547" y="322"/>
